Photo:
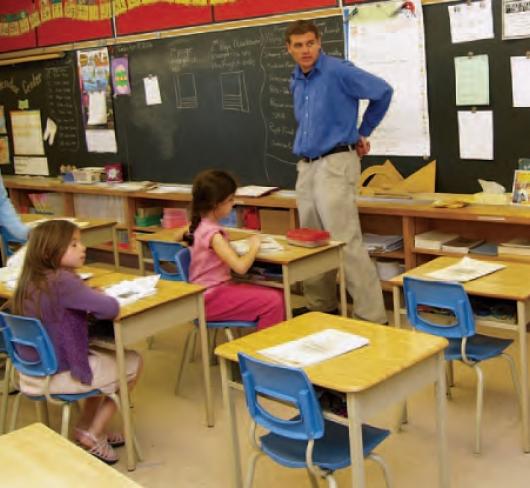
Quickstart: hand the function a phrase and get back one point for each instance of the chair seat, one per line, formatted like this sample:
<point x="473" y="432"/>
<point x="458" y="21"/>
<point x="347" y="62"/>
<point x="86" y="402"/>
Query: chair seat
<point x="230" y="324"/>
<point x="70" y="398"/>
<point x="330" y="452"/>
<point x="479" y="348"/>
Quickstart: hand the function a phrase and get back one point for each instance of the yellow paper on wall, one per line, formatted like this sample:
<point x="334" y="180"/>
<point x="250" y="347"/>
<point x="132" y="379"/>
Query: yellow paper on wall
<point x="134" y="3"/>
<point x="4" y="29"/>
<point x="23" y="25"/>
<point x="81" y="12"/>
<point x="120" y="6"/>
<point x="34" y="19"/>
<point x="105" y="11"/>
<point x="14" y="29"/>
<point x="45" y="12"/>
<point x="57" y="10"/>
<point x="93" y="12"/>
<point x="70" y="9"/>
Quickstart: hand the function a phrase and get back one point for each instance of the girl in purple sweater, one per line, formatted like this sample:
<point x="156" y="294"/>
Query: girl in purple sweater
<point x="50" y="290"/>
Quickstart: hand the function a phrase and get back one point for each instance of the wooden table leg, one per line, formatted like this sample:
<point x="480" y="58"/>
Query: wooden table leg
<point x="443" y="457"/>
<point x="228" y="397"/>
<point x="115" y="248"/>
<point x="342" y="285"/>
<point x="141" y="257"/>
<point x="124" y="398"/>
<point x="356" y="441"/>
<point x="287" y="292"/>
<point x="523" y="372"/>
<point x="205" y="355"/>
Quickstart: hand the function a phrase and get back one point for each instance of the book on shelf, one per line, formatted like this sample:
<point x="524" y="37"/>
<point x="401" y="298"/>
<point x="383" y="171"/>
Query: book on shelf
<point x="521" y="187"/>
<point x="382" y="243"/>
<point x="255" y="190"/>
<point x="485" y="249"/>
<point x="519" y="246"/>
<point x="433" y="239"/>
<point x="461" y="245"/>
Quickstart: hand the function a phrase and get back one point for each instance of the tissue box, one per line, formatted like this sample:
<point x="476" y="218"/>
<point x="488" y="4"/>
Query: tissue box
<point x="491" y="198"/>
<point x="87" y="175"/>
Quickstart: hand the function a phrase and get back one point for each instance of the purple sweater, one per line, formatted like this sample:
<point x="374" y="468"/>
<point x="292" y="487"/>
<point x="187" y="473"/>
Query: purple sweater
<point x="63" y="312"/>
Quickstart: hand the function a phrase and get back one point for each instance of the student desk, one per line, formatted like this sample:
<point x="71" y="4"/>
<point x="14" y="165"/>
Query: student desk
<point x="510" y="283"/>
<point x="174" y="303"/>
<point x="395" y="364"/>
<point x="37" y="456"/>
<point x="96" y="232"/>
<point x="298" y="263"/>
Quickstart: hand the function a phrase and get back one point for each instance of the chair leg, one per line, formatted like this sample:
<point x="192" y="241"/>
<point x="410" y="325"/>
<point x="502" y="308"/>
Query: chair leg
<point x="403" y="416"/>
<point x="252" y="468"/>
<point x="450" y="374"/>
<point x="14" y="413"/>
<point x="386" y="474"/>
<point x="189" y="345"/>
<point x="515" y="379"/>
<point x="65" y="422"/>
<point x="312" y="478"/>
<point x="331" y="481"/>
<point x="478" y="415"/>
<point x="5" y="396"/>
<point x="229" y="334"/>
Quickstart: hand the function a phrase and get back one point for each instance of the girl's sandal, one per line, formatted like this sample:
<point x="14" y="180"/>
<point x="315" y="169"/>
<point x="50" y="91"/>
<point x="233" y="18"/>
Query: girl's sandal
<point x="115" y="439"/>
<point x="100" y="448"/>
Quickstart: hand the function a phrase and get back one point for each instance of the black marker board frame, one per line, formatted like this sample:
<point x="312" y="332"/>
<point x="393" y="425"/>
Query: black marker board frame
<point x="510" y="125"/>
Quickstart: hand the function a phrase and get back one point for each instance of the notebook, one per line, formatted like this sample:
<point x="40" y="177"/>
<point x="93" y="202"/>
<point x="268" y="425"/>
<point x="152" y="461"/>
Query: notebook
<point x="486" y="249"/>
<point x="461" y="245"/>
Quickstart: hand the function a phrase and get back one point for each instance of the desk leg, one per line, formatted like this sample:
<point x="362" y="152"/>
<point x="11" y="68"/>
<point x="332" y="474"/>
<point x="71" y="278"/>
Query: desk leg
<point x="523" y="371"/>
<point x="124" y="397"/>
<point x="356" y="441"/>
<point x="205" y="356"/>
<point x="443" y="458"/>
<point x="342" y="285"/>
<point x="115" y="249"/>
<point x="287" y="292"/>
<point x="5" y="397"/>
<point x="140" y="252"/>
<point x="228" y="397"/>
<point x="396" y="296"/>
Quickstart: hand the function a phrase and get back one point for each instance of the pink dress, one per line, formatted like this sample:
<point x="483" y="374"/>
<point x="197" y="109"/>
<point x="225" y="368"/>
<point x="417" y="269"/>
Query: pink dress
<point x="224" y="299"/>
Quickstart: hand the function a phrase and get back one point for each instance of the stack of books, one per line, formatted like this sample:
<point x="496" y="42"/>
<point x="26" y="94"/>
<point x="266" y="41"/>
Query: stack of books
<point x="519" y="246"/>
<point x="461" y="245"/>
<point x="380" y="243"/>
<point x="433" y="239"/>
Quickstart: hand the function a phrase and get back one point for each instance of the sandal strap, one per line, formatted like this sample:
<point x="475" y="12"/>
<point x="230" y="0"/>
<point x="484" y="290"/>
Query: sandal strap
<point x="104" y="451"/>
<point x="115" y="439"/>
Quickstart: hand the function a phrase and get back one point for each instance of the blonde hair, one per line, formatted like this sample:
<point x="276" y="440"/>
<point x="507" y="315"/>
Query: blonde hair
<point x="46" y="247"/>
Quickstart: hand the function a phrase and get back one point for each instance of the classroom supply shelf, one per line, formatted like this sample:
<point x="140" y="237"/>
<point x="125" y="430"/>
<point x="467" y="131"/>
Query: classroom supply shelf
<point x="495" y="223"/>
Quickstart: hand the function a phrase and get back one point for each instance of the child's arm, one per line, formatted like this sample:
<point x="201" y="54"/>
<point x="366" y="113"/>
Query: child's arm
<point x="238" y="264"/>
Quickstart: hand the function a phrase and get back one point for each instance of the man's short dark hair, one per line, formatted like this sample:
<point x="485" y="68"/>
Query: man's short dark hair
<point x="299" y="28"/>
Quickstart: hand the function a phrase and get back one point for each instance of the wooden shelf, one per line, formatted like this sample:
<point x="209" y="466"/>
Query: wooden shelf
<point x="516" y="258"/>
<point x="400" y="254"/>
<point x="108" y="247"/>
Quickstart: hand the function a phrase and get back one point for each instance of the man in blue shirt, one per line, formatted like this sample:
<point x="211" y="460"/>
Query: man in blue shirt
<point x="326" y="93"/>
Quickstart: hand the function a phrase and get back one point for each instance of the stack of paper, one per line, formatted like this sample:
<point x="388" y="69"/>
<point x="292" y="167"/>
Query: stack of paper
<point x="268" y="245"/>
<point x="519" y="246"/>
<point x="461" y="245"/>
<point x="433" y="239"/>
<point x="129" y="291"/>
<point x="465" y="270"/>
<point x="379" y="243"/>
<point x="255" y="191"/>
<point x="315" y="348"/>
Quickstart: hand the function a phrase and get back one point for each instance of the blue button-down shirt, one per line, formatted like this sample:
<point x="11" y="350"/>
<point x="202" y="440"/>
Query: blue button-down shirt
<point x="326" y="104"/>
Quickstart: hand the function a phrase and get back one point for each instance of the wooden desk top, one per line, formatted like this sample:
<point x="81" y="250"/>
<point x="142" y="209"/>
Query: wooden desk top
<point x="288" y="255"/>
<point x="91" y="223"/>
<point x="390" y="350"/>
<point x="37" y="456"/>
<point x="511" y="283"/>
<point x="167" y="291"/>
<point x="95" y="271"/>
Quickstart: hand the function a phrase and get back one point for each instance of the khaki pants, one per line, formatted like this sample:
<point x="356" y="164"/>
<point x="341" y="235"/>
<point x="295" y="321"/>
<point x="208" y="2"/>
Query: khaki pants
<point x="325" y="193"/>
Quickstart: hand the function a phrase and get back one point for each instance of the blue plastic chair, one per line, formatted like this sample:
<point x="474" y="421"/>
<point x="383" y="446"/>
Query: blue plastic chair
<point x="465" y="344"/>
<point x="183" y="259"/>
<point x="25" y="337"/>
<point x="307" y="440"/>
<point x="7" y="240"/>
<point x="163" y="253"/>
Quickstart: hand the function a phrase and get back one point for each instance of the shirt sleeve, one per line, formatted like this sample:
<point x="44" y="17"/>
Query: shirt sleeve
<point x="9" y="217"/>
<point x="365" y="86"/>
<point x="76" y="295"/>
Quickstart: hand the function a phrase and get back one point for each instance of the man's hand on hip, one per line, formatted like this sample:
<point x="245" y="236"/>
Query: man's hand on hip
<point x="362" y="146"/>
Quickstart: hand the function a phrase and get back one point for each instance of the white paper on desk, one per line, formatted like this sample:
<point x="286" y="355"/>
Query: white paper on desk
<point x="101" y="141"/>
<point x="466" y="269"/>
<point x="315" y="348"/>
<point x="130" y="291"/>
<point x="475" y="133"/>
<point x="171" y="189"/>
<point x="520" y="80"/>
<point x="472" y="80"/>
<point x="471" y="21"/>
<point x="515" y="19"/>
<point x="152" y="90"/>
<point x="268" y="245"/>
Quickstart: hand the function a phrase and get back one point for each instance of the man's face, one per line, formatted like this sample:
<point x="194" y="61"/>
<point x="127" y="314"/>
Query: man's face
<point x="305" y="49"/>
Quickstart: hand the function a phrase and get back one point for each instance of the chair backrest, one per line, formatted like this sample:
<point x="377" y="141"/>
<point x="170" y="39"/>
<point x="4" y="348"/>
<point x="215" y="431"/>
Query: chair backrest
<point x="183" y="259"/>
<point x="164" y="252"/>
<point x="8" y="238"/>
<point x="284" y="384"/>
<point x="440" y="294"/>
<point x="28" y="345"/>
